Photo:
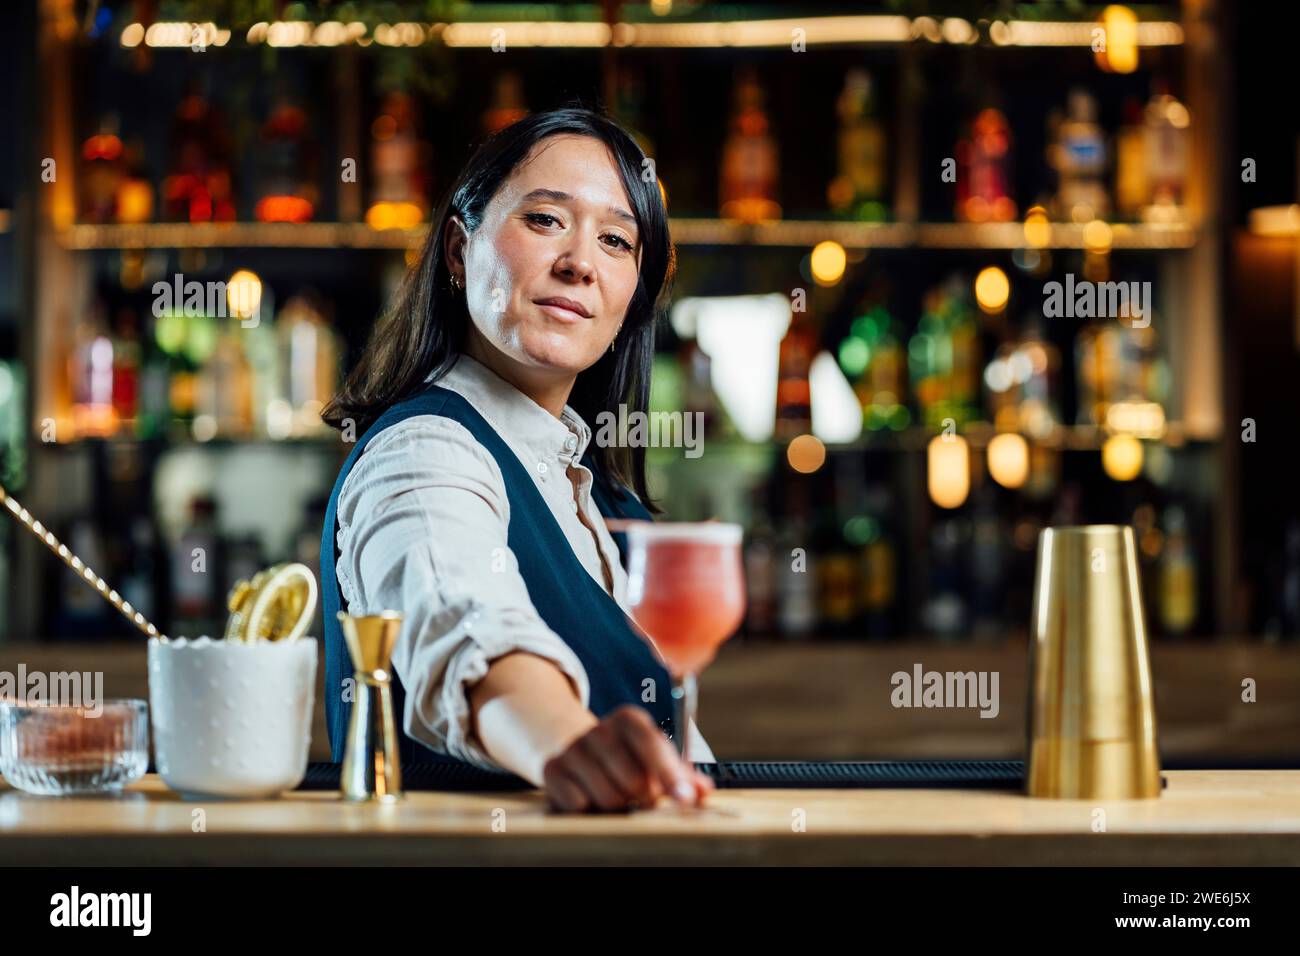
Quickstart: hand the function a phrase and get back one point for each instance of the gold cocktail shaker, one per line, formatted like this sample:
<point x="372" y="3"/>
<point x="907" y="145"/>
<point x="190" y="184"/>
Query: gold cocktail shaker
<point x="371" y="761"/>
<point x="1091" y="726"/>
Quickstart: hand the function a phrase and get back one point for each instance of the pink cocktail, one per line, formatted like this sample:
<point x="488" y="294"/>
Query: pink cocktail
<point x="686" y="591"/>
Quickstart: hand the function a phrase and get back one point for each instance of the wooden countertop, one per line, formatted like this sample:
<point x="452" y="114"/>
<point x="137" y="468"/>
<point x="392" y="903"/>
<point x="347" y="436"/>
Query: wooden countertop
<point x="1220" y="817"/>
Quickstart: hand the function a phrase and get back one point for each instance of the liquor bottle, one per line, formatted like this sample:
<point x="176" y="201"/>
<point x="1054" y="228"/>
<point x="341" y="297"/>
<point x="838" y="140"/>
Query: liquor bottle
<point x="198" y="186"/>
<point x="507" y="102"/>
<point x="90" y="374"/>
<point x="1168" y="140"/>
<point x="102" y="171"/>
<point x="224" y="387"/>
<point x="885" y="377"/>
<point x="287" y="192"/>
<point x="1080" y="161"/>
<point x="946" y="609"/>
<point x="399" y="161"/>
<point x="133" y="202"/>
<point x="1132" y="184"/>
<point x="967" y="360"/>
<point x="309" y="356"/>
<point x="1177" y="576"/>
<point x="138" y="584"/>
<point x="1036" y="366"/>
<point x="988" y="558"/>
<point x="750" y="159"/>
<point x="82" y="605"/>
<point x="793" y="390"/>
<point x="197" y="599"/>
<point x="858" y="189"/>
<point x="126" y="369"/>
<point x="796" y="567"/>
<point x="984" y="159"/>
<point x="837" y="558"/>
<point x="929" y="361"/>
<point x="878" y="562"/>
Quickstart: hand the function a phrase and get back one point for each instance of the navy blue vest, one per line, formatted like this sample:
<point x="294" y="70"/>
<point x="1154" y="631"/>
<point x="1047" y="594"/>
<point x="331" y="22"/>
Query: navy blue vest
<point x="573" y="605"/>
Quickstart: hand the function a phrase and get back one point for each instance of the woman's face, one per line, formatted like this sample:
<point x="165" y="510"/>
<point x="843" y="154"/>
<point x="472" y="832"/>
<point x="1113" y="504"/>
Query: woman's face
<point x="550" y="271"/>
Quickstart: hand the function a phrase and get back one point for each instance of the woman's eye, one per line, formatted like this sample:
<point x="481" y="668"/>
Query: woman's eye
<point x="619" y="241"/>
<point x="541" y="218"/>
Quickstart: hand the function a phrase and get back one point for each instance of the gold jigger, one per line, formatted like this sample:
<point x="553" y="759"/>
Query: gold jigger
<point x="1092" y="726"/>
<point x="372" y="767"/>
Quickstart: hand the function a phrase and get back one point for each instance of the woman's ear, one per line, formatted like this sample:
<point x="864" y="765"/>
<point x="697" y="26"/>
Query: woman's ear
<point x="454" y="238"/>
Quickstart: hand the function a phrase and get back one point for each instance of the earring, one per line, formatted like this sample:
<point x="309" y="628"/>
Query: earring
<point x="455" y="283"/>
<point x="615" y="338"/>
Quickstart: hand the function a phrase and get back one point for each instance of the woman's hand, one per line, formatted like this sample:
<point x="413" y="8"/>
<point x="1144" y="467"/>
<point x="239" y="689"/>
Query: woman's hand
<point x="623" y="762"/>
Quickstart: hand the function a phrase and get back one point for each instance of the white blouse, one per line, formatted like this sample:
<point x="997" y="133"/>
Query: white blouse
<point x="422" y="525"/>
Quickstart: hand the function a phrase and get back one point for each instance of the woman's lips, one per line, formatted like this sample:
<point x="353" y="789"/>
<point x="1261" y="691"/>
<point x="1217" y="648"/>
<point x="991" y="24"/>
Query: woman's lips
<point x="561" y="312"/>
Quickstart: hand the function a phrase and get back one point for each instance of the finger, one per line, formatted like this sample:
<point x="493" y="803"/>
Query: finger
<point x="620" y="763"/>
<point x="582" y="764"/>
<point x="564" y="793"/>
<point x="704" y="784"/>
<point x="659" y="757"/>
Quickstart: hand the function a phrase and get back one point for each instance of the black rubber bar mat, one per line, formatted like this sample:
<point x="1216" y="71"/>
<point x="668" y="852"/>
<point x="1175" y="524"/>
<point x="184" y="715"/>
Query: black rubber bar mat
<point x="746" y="774"/>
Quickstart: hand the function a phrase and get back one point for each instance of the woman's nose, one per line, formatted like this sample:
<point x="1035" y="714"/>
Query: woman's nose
<point x="576" y="263"/>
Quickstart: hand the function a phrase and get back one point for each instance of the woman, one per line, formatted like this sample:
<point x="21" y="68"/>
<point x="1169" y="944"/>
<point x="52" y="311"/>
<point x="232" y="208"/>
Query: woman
<point x="474" y="500"/>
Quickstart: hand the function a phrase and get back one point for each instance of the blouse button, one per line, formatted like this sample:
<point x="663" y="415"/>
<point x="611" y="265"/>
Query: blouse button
<point x="541" y="467"/>
<point x="571" y="443"/>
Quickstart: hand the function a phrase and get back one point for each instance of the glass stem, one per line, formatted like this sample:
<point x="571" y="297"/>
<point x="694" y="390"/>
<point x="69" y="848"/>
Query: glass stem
<point x="684" y="698"/>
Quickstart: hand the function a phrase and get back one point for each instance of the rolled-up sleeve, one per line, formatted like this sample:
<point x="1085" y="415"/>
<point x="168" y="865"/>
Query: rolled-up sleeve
<point x="423" y="520"/>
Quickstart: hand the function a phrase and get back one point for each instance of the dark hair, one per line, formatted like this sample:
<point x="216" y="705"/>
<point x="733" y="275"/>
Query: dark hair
<point x="425" y="329"/>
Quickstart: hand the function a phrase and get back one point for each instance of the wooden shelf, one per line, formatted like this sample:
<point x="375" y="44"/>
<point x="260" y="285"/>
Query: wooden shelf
<point x="788" y="233"/>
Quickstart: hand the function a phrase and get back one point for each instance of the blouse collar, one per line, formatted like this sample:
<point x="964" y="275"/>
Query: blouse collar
<point x="525" y="425"/>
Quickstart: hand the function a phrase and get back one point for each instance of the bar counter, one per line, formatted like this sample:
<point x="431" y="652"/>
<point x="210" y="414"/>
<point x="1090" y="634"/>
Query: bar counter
<point x="1204" y="818"/>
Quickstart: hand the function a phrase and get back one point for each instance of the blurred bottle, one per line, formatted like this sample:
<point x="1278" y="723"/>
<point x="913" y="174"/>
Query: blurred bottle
<point x="134" y="200"/>
<point x="399" y="163"/>
<point x="837" y="558"/>
<point x="793" y="389"/>
<point x="198" y="186"/>
<point x="139" y="577"/>
<point x="984" y="192"/>
<point x="884" y="392"/>
<point x="286" y="165"/>
<point x="1132" y="184"/>
<point x="82" y="605"/>
<point x="1169" y="151"/>
<point x="874" y="533"/>
<point x="309" y="357"/>
<point x="946" y="609"/>
<point x="224" y="387"/>
<point x="750" y="159"/>
<point x="858" y="189"/>
<point x="243" y="559"/>
<point x="1079" y="156"/>
<point x="90" y="374"/>
<point x="126" y="369"/>
<point x="103" y="169"/>
<point x="198" y="603"/>
<point x="988" y="561"/>
<point x="1177" y="576"/>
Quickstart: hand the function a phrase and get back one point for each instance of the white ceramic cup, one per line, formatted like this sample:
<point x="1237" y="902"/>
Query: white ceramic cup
<point x="231" y="719"/>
